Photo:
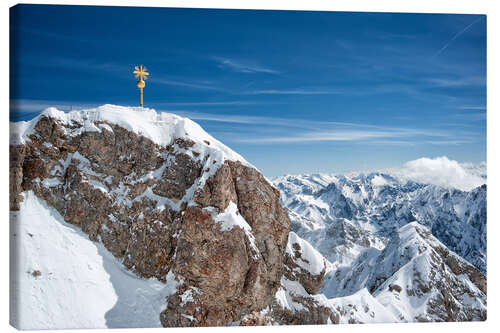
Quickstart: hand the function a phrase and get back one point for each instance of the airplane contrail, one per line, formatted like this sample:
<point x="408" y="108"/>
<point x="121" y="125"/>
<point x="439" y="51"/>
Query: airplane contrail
<point x="456" y="36"/>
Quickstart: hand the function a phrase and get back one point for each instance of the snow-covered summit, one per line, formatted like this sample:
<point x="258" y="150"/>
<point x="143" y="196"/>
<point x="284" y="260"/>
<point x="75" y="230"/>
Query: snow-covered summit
<point x="160" y="127"/>
<point x="166" y="199"/>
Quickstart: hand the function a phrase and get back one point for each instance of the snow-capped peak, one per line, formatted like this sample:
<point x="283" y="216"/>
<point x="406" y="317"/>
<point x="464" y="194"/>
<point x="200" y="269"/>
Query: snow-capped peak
<point x="160" y="127"/>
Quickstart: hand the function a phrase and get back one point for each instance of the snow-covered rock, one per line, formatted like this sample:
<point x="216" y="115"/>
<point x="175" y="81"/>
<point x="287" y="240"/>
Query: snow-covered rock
<point x="303" y="263"/>
<point x="360" y="307"/>
<point x="404" y="246"/>
<point x="163" y="197"/>
<point x="427" y="281"/>
<point x="62" y="279"/>
<point x="316" y="202"/>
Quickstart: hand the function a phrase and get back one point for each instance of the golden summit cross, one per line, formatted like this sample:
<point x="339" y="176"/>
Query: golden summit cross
<point x="141" y="74"/>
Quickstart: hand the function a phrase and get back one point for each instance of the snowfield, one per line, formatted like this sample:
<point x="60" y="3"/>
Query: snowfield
<point x="61" y="279"/>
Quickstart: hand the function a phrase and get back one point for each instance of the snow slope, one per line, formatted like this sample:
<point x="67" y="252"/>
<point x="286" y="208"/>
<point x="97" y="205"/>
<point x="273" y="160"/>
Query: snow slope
<point x="361" y="307"/>
<point x="423" y="274"/>
<point x="61" y="279"/>
<point x="310" y="259"/>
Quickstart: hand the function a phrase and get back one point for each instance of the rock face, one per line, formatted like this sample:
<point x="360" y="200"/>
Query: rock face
<point x="236" y="273"/>
<point x="175" y="202"/>
<point x="303" y="277"/>
<point x="305" y="264"/>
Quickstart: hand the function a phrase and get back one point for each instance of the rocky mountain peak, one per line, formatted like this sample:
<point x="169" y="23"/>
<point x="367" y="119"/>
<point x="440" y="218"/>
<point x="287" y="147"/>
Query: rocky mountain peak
<point x="165" y="198"/>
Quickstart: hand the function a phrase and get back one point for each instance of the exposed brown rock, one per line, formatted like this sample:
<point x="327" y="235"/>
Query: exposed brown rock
<point x="225" y="266"/>
<point x="312" y="283"/>
<point x="312" y="314"/>
<point x="16" y="160"/>
<point x="129" y="193"/>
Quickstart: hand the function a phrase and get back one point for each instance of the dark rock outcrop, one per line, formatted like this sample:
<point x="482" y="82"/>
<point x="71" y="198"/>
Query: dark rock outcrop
<point x="294" y="271"/>
<point x="158" y="209"/>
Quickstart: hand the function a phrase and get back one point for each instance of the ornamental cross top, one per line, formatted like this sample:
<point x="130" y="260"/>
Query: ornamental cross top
<point x="140" y="72"/>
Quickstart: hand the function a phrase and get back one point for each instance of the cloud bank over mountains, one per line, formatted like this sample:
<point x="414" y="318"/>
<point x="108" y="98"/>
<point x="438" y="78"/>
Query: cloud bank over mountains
<point x="443" y="172"/>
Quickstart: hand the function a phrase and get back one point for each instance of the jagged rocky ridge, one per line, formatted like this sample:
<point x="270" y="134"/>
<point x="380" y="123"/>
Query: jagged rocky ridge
<point x="375" y="204"/>
<point x="166" y="199"/>
<point x="391" y="243"/>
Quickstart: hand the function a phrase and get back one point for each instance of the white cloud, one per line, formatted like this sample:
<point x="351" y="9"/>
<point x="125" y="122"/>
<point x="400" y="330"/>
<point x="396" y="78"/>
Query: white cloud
<point x="467" y="107"/>
<point x="36" y="106"/>
<point x="293" y="92"/>
<point x="379" y="181"/>
<point x="458" y="82"/>
<point x="326" y="136"/>
<point x="276" y="130"/>
<point x="441" y="171"/>
<point x="185" y="84"/>
<point x="241" y="67"/>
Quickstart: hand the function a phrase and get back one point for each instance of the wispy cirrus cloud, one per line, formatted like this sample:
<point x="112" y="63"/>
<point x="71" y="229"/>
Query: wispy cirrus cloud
<point x="219" y="103"/>
<point x="25" y="109"/>
<point x="274" y="130"/>
<point x="449" y="42"/>
<point x="387" y="136"/>
<point x="472" y="107"/>
<point x="243" y="67"/>
<point x="292" y="92"/>
<point x="416" y="92"/>
<point x="186" y="84"/>
<point x="120" y="70"/>
<point x="266" y="121"/>
<point x="325" y="136"/>
<point x="471" y="116"/>
<point x="75" y="64"/>
<point x="222" y="118"/>
<point x="457" y="82"/>
<point x="37" y="105"/>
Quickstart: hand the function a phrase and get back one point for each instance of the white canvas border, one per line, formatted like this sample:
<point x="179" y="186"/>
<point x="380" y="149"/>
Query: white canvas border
<point x="423" y="6"/>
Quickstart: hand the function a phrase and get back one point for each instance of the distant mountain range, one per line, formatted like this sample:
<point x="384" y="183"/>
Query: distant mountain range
<point x="372" y="206"/>
<point x="417" y="249"/>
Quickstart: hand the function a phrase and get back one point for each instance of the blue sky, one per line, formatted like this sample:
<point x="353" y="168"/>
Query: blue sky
<point x="293" y="92"/>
